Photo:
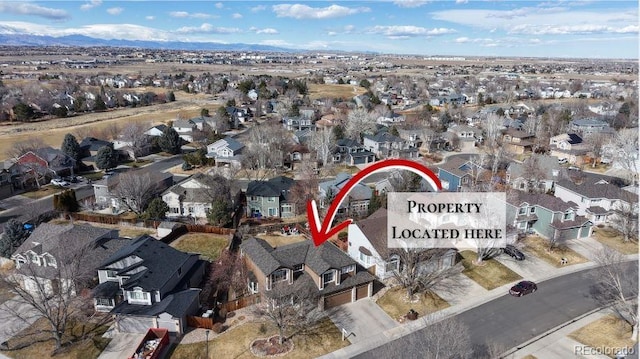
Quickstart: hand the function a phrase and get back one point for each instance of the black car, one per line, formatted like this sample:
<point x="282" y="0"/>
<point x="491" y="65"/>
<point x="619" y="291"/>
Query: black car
<point x="522" y="288"/>
<point x="514" y="252"/>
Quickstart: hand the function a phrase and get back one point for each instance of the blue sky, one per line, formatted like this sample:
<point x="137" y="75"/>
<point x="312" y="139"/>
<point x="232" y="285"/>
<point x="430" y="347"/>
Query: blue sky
<point x="595" y="29"/>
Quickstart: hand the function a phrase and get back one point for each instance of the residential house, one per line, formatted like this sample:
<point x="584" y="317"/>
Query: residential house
<point x="298" y="123"/>
<point x="385" y="145"/>
<point x="352" y="153"/>
<point x="459" y="173"/>
<point x="390" y="119"/>
<point x="104" y="190"/>
<point x="569" y="146"/>
<point x="411" y="136"/>
<point x="546" y="215"/>
<point x="326" y="270"/>
<point x="226" y="151"/>
<point x="466" y="136"/>
<point x="156" y="131"/>
<point x="596" y="198"/>
<point x="270" y="198"/>
<point x="239" y="114"/>
<point x="149" y="284"/>
<point x="89" y="147"/>
<point x="356" y="204"/>
<point x="46" y="162"/>
<point x="193" y="197"/>
<point x="63" y="257"/>
<point x="587" y="126"/>
<point x="186" y="127"/>
<point x="538" y="173"/>
<point x="452" y="99"/>
<point x="9" y="178"/>
<point x="517" y="142"/>
<point x="367" y="245"/>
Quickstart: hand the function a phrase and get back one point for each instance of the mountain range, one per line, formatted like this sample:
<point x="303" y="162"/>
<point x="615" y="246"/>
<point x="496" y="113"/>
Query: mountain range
<point x="86" y="41"/>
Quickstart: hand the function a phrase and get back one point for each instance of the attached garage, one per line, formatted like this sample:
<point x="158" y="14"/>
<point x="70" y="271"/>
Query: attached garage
<point x="337" y="299"/>
<point x="134" y="324"/>
<point x="362" y="291"/>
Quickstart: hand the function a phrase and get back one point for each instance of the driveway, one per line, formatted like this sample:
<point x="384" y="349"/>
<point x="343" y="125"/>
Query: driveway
<point x="531" y="268"/>
<point x="12" y="325"/>
<point x="122" y="345"/>
<point x="361" y="319"/>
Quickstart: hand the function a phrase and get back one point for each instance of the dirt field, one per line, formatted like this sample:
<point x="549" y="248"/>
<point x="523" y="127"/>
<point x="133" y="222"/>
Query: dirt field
<point x="317" y="91"/>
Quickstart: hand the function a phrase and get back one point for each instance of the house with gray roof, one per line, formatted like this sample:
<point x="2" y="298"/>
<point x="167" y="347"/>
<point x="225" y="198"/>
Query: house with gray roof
<point x="546" y="215"/>
<point x="459" y="173"/>
<point x="226" y="151"/>
<point x="352" y="153"/>
<point x="356" y="204"/>
<point x="105" y="189"/>
<point x="63" y="257"/>
<point x="537" y="173"/>
<point x="597" y="198"/>
<point x="271" y="198"/>
<point x="385" y="145"/>
<point x="325" y="269"/>
<point x="590" y="125"/>
<point x="367" y="245"/>
<point x="148" y="284"/>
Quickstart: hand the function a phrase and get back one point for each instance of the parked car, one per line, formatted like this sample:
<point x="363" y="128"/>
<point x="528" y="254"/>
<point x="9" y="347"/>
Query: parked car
<point x="59" y="182"/>
<point x="563" y="161"/>
<point x="573" y="168"/>
<point x="522" y="288"/>
<point x="71" y="179"/>
<point x="514" y="252"/>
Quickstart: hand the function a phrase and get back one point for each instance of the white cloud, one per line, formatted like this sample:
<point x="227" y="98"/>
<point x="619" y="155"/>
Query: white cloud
<point x="299" y="11"/>
<point x="150" y="17"/>
<point x="573" y="29"/>
<point x="115" y="10"/>
<point x="27" y="8"/>
<point x="280" y="43"/>
<point x="219" y="5"/>
<point x="411" y="3"/>
<point x="185" y="14"/>
<point x="90" y="5"/>
<point x="259" y="8"/>
<point x="101" y="31"/>
<point x="405" y="31"/>
<point x="207" y="29"/>
<point x="237" y="16"/>
<point x="267" y="31"/>
<point x="332" y="33"/>
<point x="462" y="1"/>
<point x="462" y="40"/>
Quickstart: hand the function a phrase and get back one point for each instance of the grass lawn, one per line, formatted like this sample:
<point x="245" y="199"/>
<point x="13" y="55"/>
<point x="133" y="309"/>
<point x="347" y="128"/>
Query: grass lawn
<point x="317" y="91"/>
<point x="94" y="176"/>
<point x="39" y="345"/>
<point x="323" y="338"/>
<point x="530" y="357"/>
<point x="43" y="192"/>
<point x="395" y="303"/>
<point x="612" y="239"/>
<point x="135" y="164"/>
<point x="277" y="240"/>
<point x="208" y="245"/>
<point x="540" y="248"/>
<point x="134" y="232"/>
<point x="606" y="332"/>
<point x="490" y="275"/>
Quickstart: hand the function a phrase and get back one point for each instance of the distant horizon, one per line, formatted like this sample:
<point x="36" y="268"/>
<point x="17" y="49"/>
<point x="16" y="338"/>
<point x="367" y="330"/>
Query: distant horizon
<point x="559" y="29"/>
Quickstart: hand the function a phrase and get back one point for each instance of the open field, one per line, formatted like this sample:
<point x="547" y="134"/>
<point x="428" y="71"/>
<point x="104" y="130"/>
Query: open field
<point x="317" y="91"/>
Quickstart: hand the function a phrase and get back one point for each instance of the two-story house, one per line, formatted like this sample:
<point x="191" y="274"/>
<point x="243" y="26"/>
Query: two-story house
<point x="546" y="215"/>
<point x="58" y="257"/>
<point x="325" y="269"/>
<point x="148" y="284"/>
<point x="46" y="162"/>
<point x="352" y="153"/>
<point x="569" y="146"/>
<point x="271" y="198"/>
<point x="367" y="245"/>
<point x="226" y="151"/>
<point x="385" y="145"/>
<point x="587" y="126"/>
<point x="356" y="204"/>
<point x="516" y="141"/>
<point x="186" y="127"/>
<point x="466" y="136"/>
<point x="460" y="173"/>
<point x="299" y="123"/>
<point x="538" y="173"/>
<point x="597" y="198"/>
<point x="105" y="189"/>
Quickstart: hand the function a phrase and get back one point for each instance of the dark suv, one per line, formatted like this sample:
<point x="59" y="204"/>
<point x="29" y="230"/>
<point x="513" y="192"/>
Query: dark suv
<point x="513" y="252"/>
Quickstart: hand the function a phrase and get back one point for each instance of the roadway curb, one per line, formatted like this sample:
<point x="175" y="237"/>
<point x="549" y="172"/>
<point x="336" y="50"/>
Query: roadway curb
<point x="392" y="334"/>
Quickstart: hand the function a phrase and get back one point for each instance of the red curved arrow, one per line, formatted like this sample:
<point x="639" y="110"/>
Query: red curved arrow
<point x="320" y="233"/>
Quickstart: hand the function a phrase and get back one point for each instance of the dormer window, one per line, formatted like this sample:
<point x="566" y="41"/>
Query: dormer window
<point x="327" y="277"/>
<point x="568" y="216"/>
<point x="298" y="267"/>
<point x="279" y="275"/>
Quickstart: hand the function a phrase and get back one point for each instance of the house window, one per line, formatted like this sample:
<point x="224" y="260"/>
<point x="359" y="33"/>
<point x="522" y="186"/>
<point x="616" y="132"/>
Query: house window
<point x="568" y="216"/>
<point x="174" y="210"/>
<point x="279" y="275"/>
<point x="190" y="209"/>
<point x="393" y="264"/>
<point x="348" y="269"/>
<point x="111" y="274"/>
<point x="364" y="258"/>
<point x="532" y="210"/>
<point x="253" y="198"/>
<point x="104" y="302"/>
<point x="298" y="267"/>
<point x="138" y="295"/>
<point x="286" y="208"/>
<point x="522" y="210"/>
<point x="271" y="199"/>
<point x="272" y="212"/>
<point x="327" y="277"/>
<point x="253" y="287"/>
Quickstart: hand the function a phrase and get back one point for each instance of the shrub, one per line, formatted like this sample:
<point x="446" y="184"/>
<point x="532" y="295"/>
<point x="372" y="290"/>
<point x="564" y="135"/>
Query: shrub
<point x="263" y="328"/>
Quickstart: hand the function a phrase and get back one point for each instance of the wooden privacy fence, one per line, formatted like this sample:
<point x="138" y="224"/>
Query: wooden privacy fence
<point x="102" y="218"/>
<point x="205" y="228"/>
<point x="241" y="302"/>
<point x="200" y="322"/>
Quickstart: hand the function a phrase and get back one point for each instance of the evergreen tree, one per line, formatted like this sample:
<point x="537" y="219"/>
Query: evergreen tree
<point x="394" y="131"/>
<point x="338" y="132"/>
<point x="66" y="201"/>
<point x="171" y="96"/>
<point x="170" y="141"/>
<point x="106" y="158"/>
<point x="71" y="147"/>
<point x="157" y="209"/>
<point x="13" y="236"/>
<point x="23" y="112"/>
<point x="100" y="105"/>
<point x="220" y="213"/>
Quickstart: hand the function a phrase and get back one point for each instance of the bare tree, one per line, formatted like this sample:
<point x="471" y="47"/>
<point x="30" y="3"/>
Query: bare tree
<point x="135" y="190"/>
<point x="324" y="142"/>
<point x="533" y="174"/>
<point x="359" y="121"/>
<point x="266" y="147"/>
<point x="290" y="307"/>
<point x="595" y="141"/>
<point x="229" y="274"/>
<point x="305" y="187"/>
<point x="51" y="293"/>
<point x="625" y="220"/>
<point x="626" y="152"/>
<point x="20" y="148"/>
<point x="420" y="270"/>
<point x="612" y="285"/>
<point x="139" y="142"/>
